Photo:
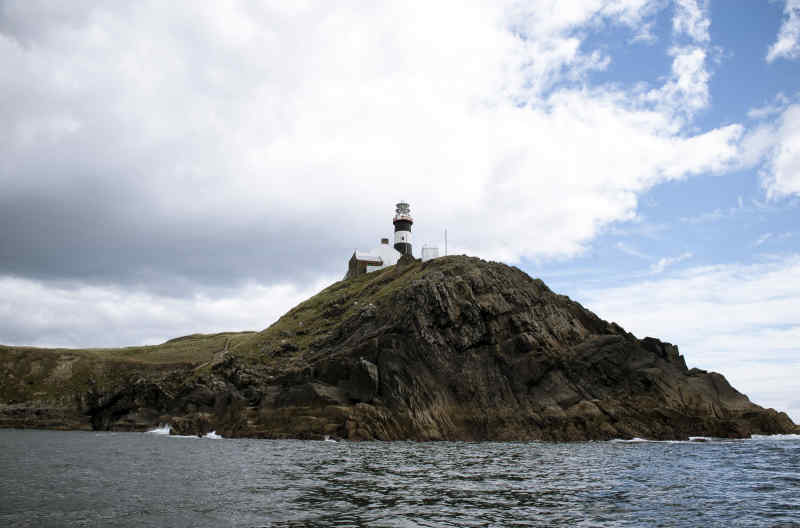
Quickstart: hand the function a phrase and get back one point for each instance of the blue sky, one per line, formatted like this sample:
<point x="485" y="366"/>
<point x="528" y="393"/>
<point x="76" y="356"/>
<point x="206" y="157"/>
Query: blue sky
<point x="709" y="220"/>
<point x="175" y="170"/>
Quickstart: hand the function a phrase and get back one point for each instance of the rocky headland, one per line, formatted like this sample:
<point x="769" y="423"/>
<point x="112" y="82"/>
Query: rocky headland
<point x="451" y="349"/>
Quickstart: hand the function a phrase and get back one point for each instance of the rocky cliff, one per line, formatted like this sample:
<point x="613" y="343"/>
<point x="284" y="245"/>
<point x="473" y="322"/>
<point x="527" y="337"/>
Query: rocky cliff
<point x="455" y="348"/>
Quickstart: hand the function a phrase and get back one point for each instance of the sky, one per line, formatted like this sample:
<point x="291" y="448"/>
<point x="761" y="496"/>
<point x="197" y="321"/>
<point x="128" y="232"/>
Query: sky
<point x="169" y="169"/>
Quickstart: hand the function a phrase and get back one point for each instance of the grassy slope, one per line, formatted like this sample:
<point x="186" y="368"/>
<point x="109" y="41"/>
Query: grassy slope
<point x="28" y="373"/>
<point x="314" y="320"/>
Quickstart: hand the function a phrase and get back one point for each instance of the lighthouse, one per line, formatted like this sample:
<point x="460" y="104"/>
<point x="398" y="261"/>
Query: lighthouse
<point x="386" y="255"/>
<point x="402" y="229"/>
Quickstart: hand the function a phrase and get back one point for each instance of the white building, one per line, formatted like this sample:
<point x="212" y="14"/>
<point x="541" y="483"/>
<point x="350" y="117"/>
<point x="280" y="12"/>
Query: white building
<point x="378" y="258"/>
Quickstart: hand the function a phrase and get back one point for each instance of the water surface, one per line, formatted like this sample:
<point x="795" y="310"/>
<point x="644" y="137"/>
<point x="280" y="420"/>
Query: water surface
<point x="53" y="478"/>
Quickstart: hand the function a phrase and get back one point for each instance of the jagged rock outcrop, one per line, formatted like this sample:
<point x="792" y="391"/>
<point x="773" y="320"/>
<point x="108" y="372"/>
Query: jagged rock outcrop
<point x="455" y="348"/>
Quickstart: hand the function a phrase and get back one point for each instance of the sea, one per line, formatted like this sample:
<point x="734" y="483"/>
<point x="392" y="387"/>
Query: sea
<point x="59" y="478"/>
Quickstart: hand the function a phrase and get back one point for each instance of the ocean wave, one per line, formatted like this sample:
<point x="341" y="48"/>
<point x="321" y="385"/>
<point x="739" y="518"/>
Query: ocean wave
<point x="163" y="429"/>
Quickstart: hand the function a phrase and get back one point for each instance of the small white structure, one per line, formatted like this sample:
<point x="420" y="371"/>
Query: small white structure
<point x="429" y="252"/>
<point x="379" y="258"/>
<point x="388" y="255"/>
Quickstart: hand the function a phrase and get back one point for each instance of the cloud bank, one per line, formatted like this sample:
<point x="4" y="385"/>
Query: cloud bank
<point x="148" y="144"/>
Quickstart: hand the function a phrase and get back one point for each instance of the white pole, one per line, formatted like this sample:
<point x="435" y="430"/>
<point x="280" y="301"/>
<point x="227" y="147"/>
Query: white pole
<point x="445" y="242"/>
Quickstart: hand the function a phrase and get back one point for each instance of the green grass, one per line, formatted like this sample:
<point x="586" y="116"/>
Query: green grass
<point x="191" y="349"/>
<point x="36" y="373"/>
<point x="309" y="323"/>
<point x="28" y="373"/>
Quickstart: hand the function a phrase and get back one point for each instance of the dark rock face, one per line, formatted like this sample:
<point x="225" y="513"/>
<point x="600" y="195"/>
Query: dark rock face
<point x="455" y="348"/>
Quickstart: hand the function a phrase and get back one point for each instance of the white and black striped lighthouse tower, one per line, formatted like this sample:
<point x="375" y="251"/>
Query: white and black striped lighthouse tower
<point x="402" y="229"/>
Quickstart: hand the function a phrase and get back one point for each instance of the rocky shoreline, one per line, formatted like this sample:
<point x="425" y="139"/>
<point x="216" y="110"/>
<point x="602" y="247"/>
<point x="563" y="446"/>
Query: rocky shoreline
<point x="452" y="349"/>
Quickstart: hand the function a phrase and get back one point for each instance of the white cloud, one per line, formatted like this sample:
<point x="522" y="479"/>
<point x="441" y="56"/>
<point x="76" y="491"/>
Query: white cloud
<point x="84" y="315"/>
<point x="772" y="236"/>
<point x="740" y="320"/>
<point x="757" y="144"/>
<point x="278" y="115"/>
<point x="771" y="109"/>
<point x="645" y="34"/>
<point x="787" y="45"/>
<point x="763" y="238"/>
<point x="784" y="165"/>
<point x="691" y="18"/>
<point x="687" y="88"/>
<point x="778" y="145"/>
<point x="665" y="262"/>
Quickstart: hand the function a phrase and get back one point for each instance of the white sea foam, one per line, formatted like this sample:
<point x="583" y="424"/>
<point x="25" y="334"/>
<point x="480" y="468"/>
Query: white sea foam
<point x="707" y="439"/>
<point x="777" y="437"/>
<point x="160" y="430"/>
<point x="691" y="440"/>
<point x="329" y="439"/>
<point x="165" y="429"/>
